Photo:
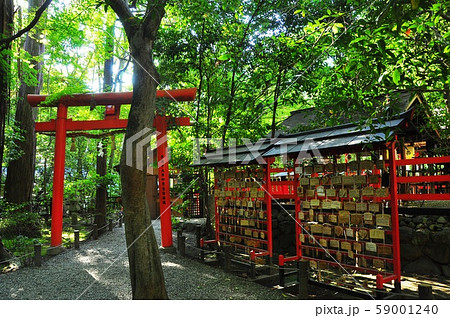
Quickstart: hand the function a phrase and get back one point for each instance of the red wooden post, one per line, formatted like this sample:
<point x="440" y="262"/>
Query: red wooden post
<point x="268" y="200"/>
<point x="394" y="212"/>
<point x="164" y="182"/>
<point x="58" y="176"/>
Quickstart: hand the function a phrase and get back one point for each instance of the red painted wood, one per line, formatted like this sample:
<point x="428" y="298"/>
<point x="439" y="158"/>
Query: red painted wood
<point x="424" y="179"/>
<point x="58" y="177"/>
<point x="422" y="161"/>
<point x="394" y="210"/>
<point x="179" y="95"/>
<point x="164" y="182"/>
<point x="82" y="125"/>
<point x="425" y="196"/>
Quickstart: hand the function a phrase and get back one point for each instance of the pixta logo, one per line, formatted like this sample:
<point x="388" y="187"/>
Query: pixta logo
<point x="140" y="147"/>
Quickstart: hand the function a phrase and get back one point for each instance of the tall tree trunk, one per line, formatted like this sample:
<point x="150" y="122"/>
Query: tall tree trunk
<point x="101" y="195"/>
<point x="20" y="174"/>
<point x="147" y="278"/>
<point x="6" y="23"/>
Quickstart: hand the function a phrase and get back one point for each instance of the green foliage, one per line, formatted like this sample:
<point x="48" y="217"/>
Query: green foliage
<point x="13" y="134"/>
<point x="17" y="220"/>
<point x="22" y="247"/>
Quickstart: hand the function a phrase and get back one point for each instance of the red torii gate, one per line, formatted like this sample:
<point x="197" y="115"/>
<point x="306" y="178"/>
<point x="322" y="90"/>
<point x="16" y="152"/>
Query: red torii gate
<point x="112" y="101"/>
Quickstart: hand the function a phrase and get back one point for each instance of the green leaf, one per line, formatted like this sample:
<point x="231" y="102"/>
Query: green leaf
<point x="358" y="39"/>
<point x="396" y="76"/>
<point x="224" y="57"/>
<point x="335" y="29"/>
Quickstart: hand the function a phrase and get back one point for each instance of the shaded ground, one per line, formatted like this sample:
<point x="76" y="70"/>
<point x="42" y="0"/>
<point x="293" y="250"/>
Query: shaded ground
<point x="99" y="270"/>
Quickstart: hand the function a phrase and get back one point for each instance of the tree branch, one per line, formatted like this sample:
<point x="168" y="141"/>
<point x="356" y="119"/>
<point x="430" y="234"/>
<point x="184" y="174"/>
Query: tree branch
<point x="122" y="10"/>
<point x="153" y="16"/>
<point x="35" y="20"/>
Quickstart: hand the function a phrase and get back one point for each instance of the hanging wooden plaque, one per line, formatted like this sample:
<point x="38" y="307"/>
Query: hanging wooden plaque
<point x="327" y="230"/>
<point x="314" y="181"/>
<point x="332" y="218"/>
<point x="339" y="257"/>
<point x="377" y="234"/>
<point x="351" y="255"/>
<point x="382" y="192"/>
<point x="360" y="180"/>
<point x="304" y="181"/>
<point x="316" y="228"/>
<point x="320" y="191"/>
<point x="347" y="180"/>
<point x="323" y="242"/>
<point x="383" y="220"/>
<point x="319" y="168"/>
<point x="351" y="206"/>
<point x="378" y="263"/>
<point x="334" y="243"/>
<point x="344" y="217"/>
<point x="308" y="169"/>
<point x="357" y="247"/>
<point x="363" y="234"/>
<point x="368" y="218"/>
<point x="368" y="192"/>
<point x="354" y="193"/>
<point x="306" y="204"/>
<point x="311" y="214"/>
<point x="362" y="261"/>
<point x="371" y="247"/>
<point x="374" y="207"/>
<point x="301" y="216"/>
<point x="336" y="180"/>
<point x="349" y="232"/>
<point x="336" y="205"/>
<point x="338" y="231"/>
<point x="342" y="193"/>
<point x="310" y="193"/>
<point x="315" y="203"/>
<point x="330" y="192"/>
<point x="326" y="204"/>
<point x="302" y="238"/>
<point x="356" y="219"/>
<point x="361" y="206"/>
<point x="384" y="250"/>
<point x="313" y="264"/>
<point x="320" y="218"/>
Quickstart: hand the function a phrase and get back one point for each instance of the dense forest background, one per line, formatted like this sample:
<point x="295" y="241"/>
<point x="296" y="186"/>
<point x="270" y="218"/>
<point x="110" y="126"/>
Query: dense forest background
<point x="253" y="62"/>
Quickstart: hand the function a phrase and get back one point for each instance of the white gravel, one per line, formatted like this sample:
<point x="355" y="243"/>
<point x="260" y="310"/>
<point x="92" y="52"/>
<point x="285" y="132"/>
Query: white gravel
<point x="99" y="270"/>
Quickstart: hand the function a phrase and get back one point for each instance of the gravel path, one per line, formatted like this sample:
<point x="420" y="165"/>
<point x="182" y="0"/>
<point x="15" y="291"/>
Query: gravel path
<point x="99" y="270"/>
